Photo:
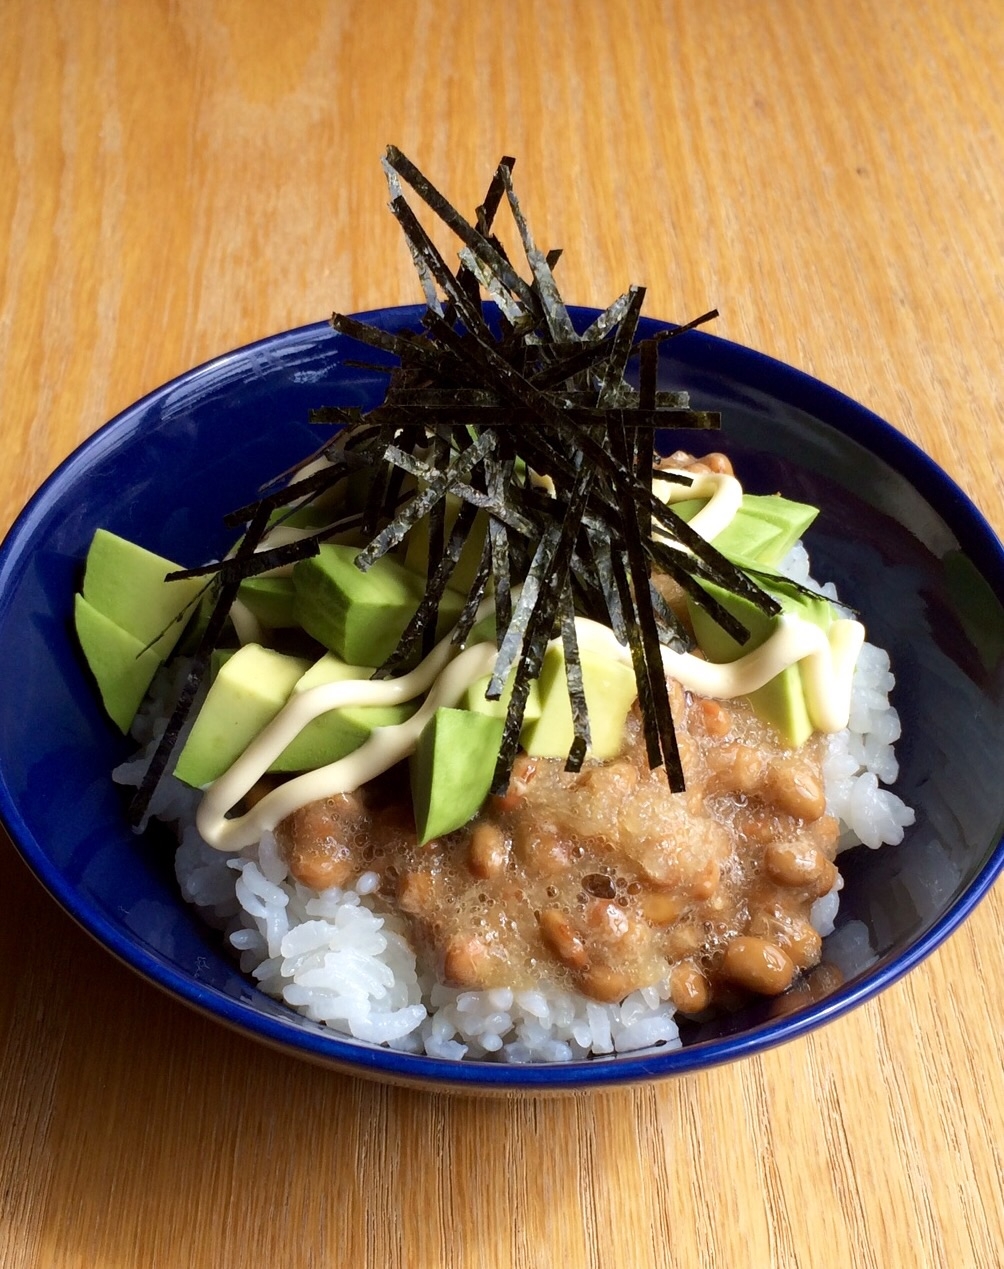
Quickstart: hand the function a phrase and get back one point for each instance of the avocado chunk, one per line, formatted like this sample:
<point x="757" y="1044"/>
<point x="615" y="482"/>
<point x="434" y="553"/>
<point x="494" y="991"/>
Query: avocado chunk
<point x="474" y="698"/>
<point x="247" y="693"/>
<point x="452" y="769"/>
<point x="122" y="666"/>
<point x="126" y="583"/>
<point x="270" y="599"/>
<point x="781" y="702"/>
<point x="338" y="732"/>
<point x="416" y="555"/>
<point x="764" y="529"/>
<point x="128" y="619"/>
<point x="610" y="691"/>
<point x="359" y="616"/>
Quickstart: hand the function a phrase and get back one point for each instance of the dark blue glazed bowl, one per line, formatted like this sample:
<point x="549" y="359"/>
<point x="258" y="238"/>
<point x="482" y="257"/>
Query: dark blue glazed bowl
<point x="901" y="541"/>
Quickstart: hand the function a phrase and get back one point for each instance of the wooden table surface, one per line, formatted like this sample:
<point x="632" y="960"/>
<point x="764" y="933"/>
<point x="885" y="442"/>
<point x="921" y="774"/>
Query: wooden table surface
<point x="180" y="178"/>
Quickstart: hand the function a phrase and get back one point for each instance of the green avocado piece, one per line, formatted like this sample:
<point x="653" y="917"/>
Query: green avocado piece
<point x="416" y="556"/>
<point x="610" y="691"/>
<point x="359" y="616"/>
<point x="247" y="693"/>
<point x="271" y="600"/>
<point x="452" y="769"/>
<point x="120" y="663"/>
<point x="781" y="702"/>
<point x="339" y="731"/>
<point x="126" y="583"/>
<point x="764" y="529"/>
<point x="474" y="698"/>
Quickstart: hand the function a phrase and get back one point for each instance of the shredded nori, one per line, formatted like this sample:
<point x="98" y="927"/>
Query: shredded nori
<point x="480" y="401"/>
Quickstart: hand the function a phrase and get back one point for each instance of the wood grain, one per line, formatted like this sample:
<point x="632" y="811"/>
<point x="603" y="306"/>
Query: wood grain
<point x="183" y="177"/>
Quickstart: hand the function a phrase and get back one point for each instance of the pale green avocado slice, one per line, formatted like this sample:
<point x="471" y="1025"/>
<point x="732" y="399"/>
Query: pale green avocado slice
<point x="610" y="691"/>
<point x="452" y="769"/>
<point x="271" y="600"/>
<point x="416" y="556"/>
<point x="474" y="698"/>
<point x="120" y="663"/>
<point x="339" y="731"/>
<point x="781" y="702"/>
<point x="126" y="583"/>
<point x="359" y="616"/>
<point x="247" y="693"/>
<point x="764" y="529"/>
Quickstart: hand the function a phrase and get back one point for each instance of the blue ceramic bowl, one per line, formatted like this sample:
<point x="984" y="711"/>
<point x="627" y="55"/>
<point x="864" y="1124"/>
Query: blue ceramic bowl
<point x="901" y="541"/>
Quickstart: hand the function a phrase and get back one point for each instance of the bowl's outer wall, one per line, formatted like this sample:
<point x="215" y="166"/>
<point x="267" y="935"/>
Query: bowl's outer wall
<point x="927" y="582"/>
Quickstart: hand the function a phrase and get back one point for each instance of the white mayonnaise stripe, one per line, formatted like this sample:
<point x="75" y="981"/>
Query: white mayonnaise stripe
<point x="445" y="683"/>
<point x="827" y="664"/>
<point x="724" y="494"/>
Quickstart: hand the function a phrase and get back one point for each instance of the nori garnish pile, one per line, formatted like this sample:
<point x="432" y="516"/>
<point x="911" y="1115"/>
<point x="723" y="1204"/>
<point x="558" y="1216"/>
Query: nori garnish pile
<point x="483" y="398"/>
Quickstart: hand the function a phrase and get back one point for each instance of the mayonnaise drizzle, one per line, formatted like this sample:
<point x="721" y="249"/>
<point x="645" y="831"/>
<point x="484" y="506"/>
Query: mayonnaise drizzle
<point x="724" y="494"/>
<point x="826" y="660"/>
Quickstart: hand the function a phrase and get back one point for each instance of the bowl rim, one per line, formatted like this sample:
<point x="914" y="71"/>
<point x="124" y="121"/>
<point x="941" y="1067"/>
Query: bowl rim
<point x="745" y="365"/>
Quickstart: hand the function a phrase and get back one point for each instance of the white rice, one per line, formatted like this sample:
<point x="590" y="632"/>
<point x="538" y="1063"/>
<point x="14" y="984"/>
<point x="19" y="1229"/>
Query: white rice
<point x="334" y="959"/>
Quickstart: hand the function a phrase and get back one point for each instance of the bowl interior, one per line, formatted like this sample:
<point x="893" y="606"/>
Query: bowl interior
<point x="902" y="543"/>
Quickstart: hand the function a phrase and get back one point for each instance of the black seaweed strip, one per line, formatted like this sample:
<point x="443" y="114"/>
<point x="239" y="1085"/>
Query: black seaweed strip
<point x="648" y="628"/>
<point x="495" y="506"/>
<point x="672" y="631"/>
<point x="485" y="212"/>
<point x="719" y="567"/>
<point x="393" y="491"/>
<point x="672" y="331"/>
<point x="653" y="744"/>
<point x="243" y="567"/>
<point x="648" y="369"/>
<point x="599" y="550"/>
<point x="434" y="398"/>
<point x="608" y="319"/>
<point x="802" y="590"/>
<point x="711" y="569"/>
<point x="407" y="348"/>
<point x="498" y="508"/>
<point x="498" y="544"/>
<point x="553" y="568"/>
<point x="469" y="612"/>
<point x="425" y="617"/>
<point x="503" y="415"/>
<point x="509" y="381"/>
<point x="670" y="561"/>
<point x="576" y="691"/>
<point x="437" y="546"/>
<point x="420" y="505"/>
<point x="484" y="215"/>
<point x="376" y="496"/>
<point x="535" y="637"/>
<point x="479" y="244"/>
<point x="568" y="364"/>
<point x="674" y="477"/>
<point x="196" y="672"/>
<point x="469" y="312"/>
<point x="620" y="350"/>
<point x="347" y="416"/>
<point x="300" y="489"/>
<point x="514" y="641"/>
<point x="555" y="313"/>
<point x="437" y="512"/>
